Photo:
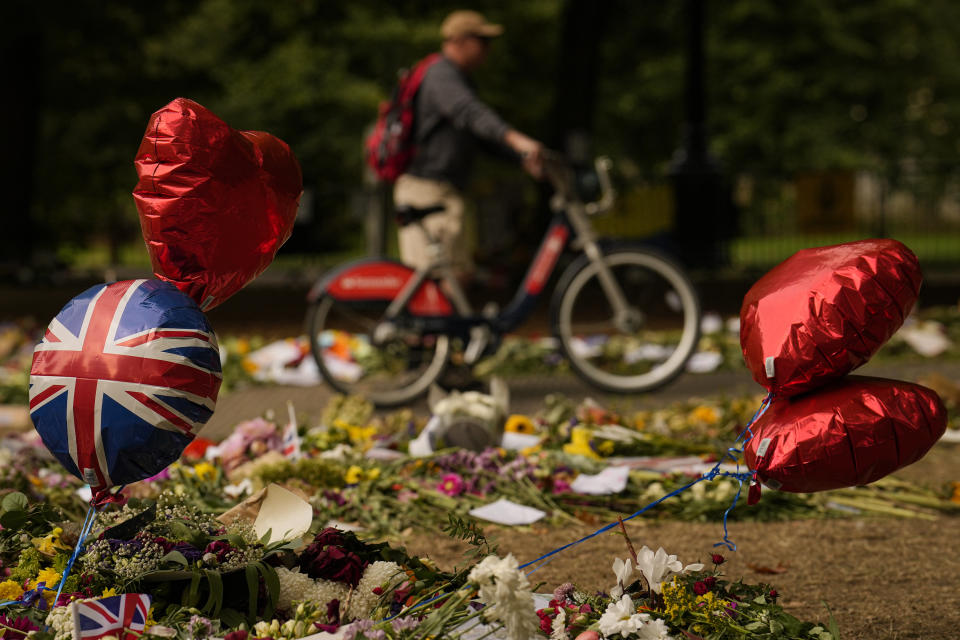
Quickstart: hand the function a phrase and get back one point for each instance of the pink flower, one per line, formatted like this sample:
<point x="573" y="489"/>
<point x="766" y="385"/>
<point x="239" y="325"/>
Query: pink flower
<point x="451" y="484"/>
<point x="560" y="486"/>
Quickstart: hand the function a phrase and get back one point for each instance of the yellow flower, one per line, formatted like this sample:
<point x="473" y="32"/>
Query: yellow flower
<point x="353" y="475"/>
<point x="10" y="590"/>
<point x="35" y="481"/>
<point x="205" y="471"/>
<point x="520" y="424"/>
<point x="705" y="415"/>
<point x="579" y="444"/>
<point x="48" y="576"/>
<point x="357" y="435"/>
<point x="108" y="592"/>
<point x="605" y="447"/>
<point x="529" y="451"/>
<point x="243" y="346"/>
<point x="249" y="365"/>
<point x="150" y="619"/>
<point x="50" y="543"/>
<point x="373" y="474"/>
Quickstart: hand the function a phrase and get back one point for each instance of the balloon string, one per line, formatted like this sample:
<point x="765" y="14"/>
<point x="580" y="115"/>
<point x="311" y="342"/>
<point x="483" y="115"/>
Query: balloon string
<point x="746" y="435"/>
<point x="96" y="506"/>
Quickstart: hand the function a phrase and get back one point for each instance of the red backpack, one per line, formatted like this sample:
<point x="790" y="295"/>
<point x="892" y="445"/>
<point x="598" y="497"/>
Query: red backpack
<point x="389" y="149"/>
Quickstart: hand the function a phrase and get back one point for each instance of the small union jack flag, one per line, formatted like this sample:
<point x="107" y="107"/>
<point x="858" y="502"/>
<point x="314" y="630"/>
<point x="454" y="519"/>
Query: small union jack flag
<point x="125" y="376"/>
<point x="123" y="616"/>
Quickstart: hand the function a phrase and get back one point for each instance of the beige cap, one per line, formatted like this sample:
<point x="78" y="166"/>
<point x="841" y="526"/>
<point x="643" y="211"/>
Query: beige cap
<point x="468" y="23"/>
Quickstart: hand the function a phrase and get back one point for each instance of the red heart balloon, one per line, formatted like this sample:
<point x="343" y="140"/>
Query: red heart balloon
<point x="850" y="432"/>
<point x="823" y="312"/>
<point x="215" y="204"/>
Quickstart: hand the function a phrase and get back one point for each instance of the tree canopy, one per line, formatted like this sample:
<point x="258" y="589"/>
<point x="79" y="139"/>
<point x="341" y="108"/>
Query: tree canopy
<point x="791" y="86"/>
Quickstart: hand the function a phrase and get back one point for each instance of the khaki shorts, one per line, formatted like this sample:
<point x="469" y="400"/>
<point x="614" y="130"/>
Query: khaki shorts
<point x="447" y="226"/>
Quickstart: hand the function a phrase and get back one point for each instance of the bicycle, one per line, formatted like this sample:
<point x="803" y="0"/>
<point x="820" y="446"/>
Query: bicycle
<point x="627" y="319"/>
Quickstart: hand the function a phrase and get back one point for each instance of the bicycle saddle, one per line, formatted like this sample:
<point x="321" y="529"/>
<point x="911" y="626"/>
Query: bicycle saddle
<point x="405" y="213"/>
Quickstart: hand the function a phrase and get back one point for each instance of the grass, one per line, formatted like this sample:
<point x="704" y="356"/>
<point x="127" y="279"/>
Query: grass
<point x="763" y="252"/>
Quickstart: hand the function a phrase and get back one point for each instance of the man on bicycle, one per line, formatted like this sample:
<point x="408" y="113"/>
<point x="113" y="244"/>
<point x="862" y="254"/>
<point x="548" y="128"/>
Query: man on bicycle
<point x="449" y="123"/>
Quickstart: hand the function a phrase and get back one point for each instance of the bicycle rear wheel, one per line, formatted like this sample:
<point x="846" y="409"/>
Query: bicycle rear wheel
<point x="648" y="346"/>
<point x="392" y="369"/>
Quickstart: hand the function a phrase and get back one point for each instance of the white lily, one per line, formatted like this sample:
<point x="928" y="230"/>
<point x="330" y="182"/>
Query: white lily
<point x="656" y="566"/>
<point x="623" y="569"/>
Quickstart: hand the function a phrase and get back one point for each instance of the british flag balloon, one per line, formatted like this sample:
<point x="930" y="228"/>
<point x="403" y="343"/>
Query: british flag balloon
<point x="125" y="376"/>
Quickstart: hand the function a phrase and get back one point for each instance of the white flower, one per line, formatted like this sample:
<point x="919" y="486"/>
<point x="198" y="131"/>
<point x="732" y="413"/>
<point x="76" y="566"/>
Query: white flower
<point x="299" y="587"/>
<point x="60" y="621"/>
<point x="655" y="630"/>
<point x="506" y="592"/>
<point x="386" y="575"/>
<point x="657" y="566"/>
<point x="624" y="571"/>
<point x="558" y="628"/>
<point x="621" y="617"/>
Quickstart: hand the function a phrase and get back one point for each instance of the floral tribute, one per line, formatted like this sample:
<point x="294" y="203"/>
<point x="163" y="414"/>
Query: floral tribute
<point x="210" y="580"/>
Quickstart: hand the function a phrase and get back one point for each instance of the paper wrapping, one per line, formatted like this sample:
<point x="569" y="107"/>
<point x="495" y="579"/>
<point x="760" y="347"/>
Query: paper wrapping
<point x="825" y="311"/>
<point x="850" y="432"/>
<point x="215" y="204"/>
<point x="125" y="376"/>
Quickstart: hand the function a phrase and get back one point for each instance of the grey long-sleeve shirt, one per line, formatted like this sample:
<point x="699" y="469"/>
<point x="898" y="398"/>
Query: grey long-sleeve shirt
<point x="449" y="122"/>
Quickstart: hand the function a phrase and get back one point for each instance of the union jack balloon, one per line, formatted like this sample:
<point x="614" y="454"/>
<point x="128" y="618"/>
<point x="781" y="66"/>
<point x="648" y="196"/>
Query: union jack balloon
<point x="125" y="376"/>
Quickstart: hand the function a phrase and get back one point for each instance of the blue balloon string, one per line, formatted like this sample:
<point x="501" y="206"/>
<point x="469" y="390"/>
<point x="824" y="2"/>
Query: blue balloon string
<point x="746" y="435"/>
<point x="85" y="530"/>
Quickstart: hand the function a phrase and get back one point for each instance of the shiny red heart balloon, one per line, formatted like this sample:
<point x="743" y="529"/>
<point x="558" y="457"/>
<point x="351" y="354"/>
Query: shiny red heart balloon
<point x="215" y="203"/>
<point x="850" y="432"/>
<point x="823" y="312"/>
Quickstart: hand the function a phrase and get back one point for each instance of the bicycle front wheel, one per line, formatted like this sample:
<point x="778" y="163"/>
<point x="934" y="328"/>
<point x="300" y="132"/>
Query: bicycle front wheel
<point x="644" y="346"/>
<point x="358" y="353"/>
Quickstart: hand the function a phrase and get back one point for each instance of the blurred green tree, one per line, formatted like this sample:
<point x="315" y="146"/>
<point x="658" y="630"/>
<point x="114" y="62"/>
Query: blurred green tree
<point x="804" y="84"/>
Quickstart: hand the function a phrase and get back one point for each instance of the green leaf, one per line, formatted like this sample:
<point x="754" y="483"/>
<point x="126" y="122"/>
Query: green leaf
<point x="253" y="587"/>
<point x="232" y="618"/>
<point x="832" y="624"/>
<point x="15" y="501"/>
<point x="192" y="595"/>
<point x="14" y="519"/>
<point x="175" y="557"/>
<point x="215" y="599"/>
<point x="272" y="580"/>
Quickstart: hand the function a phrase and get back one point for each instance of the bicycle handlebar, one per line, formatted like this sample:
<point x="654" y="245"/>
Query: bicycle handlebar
<point x="557" y="169"/>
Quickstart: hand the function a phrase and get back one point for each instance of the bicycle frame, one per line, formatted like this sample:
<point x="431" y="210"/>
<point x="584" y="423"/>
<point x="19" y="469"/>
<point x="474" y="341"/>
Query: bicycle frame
<point x="569" y="225"/>
<point x="439" y="304"/>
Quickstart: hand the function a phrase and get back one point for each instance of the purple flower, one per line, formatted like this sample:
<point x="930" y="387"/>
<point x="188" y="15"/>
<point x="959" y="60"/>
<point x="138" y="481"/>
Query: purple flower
<point x="336" y="497"/>
<point x="190" y="552"/>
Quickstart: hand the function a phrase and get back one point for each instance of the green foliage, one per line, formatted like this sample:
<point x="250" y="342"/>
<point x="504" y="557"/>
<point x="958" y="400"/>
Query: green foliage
<point x="804" y="84"/>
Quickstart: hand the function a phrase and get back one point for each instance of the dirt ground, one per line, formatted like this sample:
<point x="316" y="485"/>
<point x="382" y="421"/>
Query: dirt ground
<point x="882" y="578"/>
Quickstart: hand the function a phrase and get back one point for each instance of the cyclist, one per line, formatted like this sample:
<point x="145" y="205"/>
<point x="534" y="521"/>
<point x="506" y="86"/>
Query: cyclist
<point x="449" y="123"/>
